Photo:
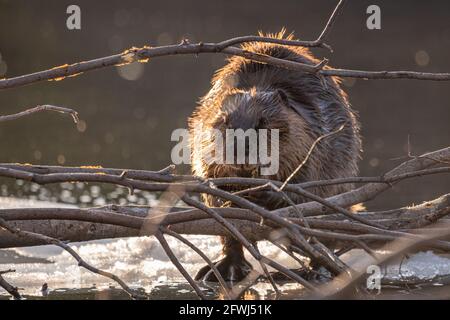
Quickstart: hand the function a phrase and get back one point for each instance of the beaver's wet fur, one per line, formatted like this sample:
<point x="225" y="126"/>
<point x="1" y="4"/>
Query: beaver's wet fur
<point x="303" y="106"/>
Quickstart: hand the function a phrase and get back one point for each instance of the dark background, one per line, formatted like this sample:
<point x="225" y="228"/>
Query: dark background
<point x="129" y="122"/>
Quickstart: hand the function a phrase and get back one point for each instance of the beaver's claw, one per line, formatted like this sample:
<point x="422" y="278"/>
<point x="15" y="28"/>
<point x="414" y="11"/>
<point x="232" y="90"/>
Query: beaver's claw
<point x="231" y="268"/>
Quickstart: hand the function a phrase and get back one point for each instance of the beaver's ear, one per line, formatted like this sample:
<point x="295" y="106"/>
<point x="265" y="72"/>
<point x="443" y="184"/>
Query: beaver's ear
<point x="304" y="110"/>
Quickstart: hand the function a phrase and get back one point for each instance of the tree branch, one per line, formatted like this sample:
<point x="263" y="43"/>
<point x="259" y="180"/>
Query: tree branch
<point x="13" y="291"/>
<point x="45" y="107"/>
<point x="226" y="47"/>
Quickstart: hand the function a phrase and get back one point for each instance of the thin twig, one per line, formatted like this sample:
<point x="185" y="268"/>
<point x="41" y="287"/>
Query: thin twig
<point x="270" y="278"/>
<point x="308" y="154"/>
<point x="325" y="32"/>
<point x="45" y="107"/>
<point x="213" y="267"/>
<point x="179" y="266"/>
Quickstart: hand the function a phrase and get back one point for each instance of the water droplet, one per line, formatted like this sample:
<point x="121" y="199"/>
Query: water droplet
<point x="61" y="159"/>
<point x="81" y="126"/>
<point x="374" y="162"/>
<point x="131" y="72"/>
<point x="37" y="155"/>
<point x="422" y="58"/>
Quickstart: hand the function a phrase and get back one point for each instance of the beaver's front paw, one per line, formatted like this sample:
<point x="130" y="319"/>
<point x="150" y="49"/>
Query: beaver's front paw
<point x="230" y="268"/>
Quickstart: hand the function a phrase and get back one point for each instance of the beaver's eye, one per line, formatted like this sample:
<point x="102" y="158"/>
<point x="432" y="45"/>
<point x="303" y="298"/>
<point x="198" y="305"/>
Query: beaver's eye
<point x="262" y="123"/>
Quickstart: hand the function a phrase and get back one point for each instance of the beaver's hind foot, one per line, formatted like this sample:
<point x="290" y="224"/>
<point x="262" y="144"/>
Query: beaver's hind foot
<point x="233" y="268"/>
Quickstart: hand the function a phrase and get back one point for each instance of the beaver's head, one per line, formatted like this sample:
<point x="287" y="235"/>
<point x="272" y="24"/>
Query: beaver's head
<point x="241" y="118"/>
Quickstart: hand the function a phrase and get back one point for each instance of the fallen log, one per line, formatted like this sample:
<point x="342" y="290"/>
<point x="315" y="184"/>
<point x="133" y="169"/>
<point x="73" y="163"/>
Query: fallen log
<point x="78" y="225"/>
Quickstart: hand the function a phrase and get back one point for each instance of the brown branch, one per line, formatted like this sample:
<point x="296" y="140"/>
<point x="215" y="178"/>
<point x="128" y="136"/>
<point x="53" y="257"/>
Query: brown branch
<point x="245" y="39"/>
<point x="381" y="179"/>
<point x="156" y="176"/>
<point x="142" y="54"/>
<point x="225" y="47"/>
<point x="213" y="267"/>
<point x="45" y="107"/>
<point x="385" y="75"/>
<point x="325" y="32"/>
<point x="163" y="176"/>
<point x="178" y="265"/>
<point x="13" y="291"/>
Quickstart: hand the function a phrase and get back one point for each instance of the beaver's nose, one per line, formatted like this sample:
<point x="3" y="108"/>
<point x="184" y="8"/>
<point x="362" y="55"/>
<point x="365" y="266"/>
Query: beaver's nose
<point x="245" y="147"/>
<point x="244" y="137"/>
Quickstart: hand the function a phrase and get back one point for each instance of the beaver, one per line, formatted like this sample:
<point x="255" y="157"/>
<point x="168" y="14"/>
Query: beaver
<point x="302" y="106"/>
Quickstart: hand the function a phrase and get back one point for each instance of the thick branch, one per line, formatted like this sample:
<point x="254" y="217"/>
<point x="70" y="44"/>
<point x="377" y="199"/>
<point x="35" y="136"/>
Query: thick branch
<point x="113" y="222"/>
